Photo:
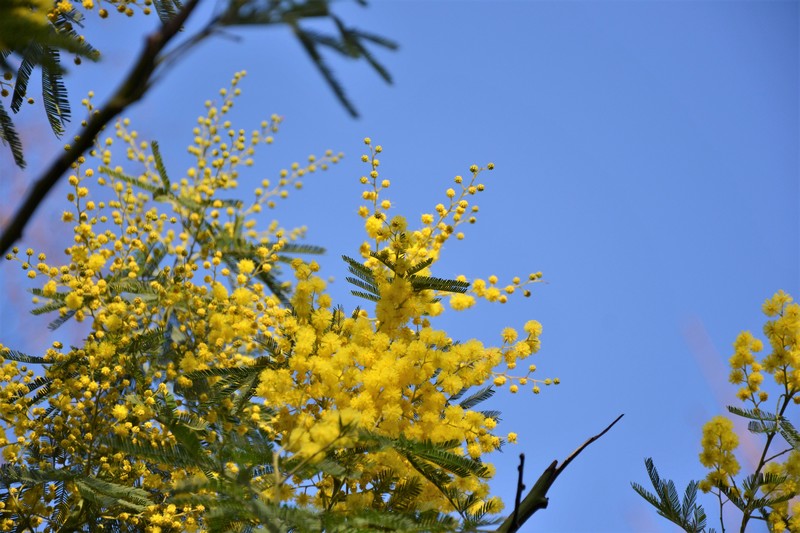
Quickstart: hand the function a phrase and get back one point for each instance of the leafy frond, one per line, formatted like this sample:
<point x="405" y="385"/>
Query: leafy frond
<point x="121" y="176"/>
<point x="419" y="266"/>
<point x="296" y="248"/>
<point x="438" y="454"/>
<point x="762" y="426"/>
<point x="363" y="285"/>
<point x="174" y="456"/>
<point x="351" y="39"/>
<point x="404" y="494"/>
<point x="131" y="286"/>
<point x="309" y="43"/>
<point x="9" y="136"/>
<point x="752" y="414"/>
<point x="30" y="57"/>
<point x="789" y="433"/>
<point x="160" y="168"/>
<point x="166" y="9"/>
<point x="493" y="414"/>
<point x="147" y="341"/>
<point x="58" y="322"/>
<point x="16" y="355"/>
<point x="383" y="257"/>
<point x="422" y="283"/>
<point x="10" y="474"/>
<point x="359" y="270"/>
<point x="457" y="396"/>
<point x="366" y="296"/>
<point x="54" y="93"/>
<point x="49" y="307"/>
<point x="753" y="482"/>
<point x="474" y="399"/>
<point x="688" y="515"/>
<point x="110" y="495"/>
<point x="42" y="384"/>
<point x="267" y="343"/>
<point x="234" y="372"/>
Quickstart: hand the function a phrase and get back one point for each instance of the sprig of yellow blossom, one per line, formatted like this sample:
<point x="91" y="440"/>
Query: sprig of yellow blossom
<point x="719" y="439"/>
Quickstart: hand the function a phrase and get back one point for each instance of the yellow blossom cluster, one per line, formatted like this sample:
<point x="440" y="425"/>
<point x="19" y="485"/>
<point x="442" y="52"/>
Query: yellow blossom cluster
<point x="203" y="369"/>
<point x="719" y="441"/>
<point x="769" y="413"/>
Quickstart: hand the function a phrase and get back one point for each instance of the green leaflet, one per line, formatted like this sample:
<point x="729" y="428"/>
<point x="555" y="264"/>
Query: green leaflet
<point x="689" y="515"/>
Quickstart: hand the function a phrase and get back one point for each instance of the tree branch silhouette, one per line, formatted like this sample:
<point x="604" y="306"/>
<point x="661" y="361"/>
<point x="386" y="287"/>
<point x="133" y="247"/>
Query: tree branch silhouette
<point x="537" y="497"/>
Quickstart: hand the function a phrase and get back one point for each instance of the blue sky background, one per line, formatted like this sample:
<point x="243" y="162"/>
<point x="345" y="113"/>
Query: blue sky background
<point x="646" y="161"/>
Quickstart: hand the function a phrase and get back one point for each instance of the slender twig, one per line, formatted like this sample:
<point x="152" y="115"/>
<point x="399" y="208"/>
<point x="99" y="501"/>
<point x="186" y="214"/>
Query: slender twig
<point x="520" y="486"/>
<point x="130" y="91"/>
<point x="537" y="497"/>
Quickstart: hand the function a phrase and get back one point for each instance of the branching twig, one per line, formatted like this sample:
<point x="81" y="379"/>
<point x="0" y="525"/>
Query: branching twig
<point x="537" y="497"/>
<point x="130" y="91"/>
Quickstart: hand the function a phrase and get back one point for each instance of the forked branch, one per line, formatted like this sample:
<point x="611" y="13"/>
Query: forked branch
<point x="537" y="497"/>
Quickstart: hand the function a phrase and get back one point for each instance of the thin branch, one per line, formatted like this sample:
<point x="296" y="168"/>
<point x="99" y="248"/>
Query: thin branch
<point x="130" y="91"/>
<point x="537" y="497"/>
<point x="520" y="486"/>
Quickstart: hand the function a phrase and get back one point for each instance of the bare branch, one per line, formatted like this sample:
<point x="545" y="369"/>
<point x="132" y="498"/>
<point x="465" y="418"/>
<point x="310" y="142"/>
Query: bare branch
<point x="537" y="497"/>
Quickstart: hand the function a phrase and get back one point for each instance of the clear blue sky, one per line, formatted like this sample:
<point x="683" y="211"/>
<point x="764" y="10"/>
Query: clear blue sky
<point x="647" y="163"/>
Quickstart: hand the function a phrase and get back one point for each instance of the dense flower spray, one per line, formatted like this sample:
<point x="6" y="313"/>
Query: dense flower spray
<point x="211" y="392"/>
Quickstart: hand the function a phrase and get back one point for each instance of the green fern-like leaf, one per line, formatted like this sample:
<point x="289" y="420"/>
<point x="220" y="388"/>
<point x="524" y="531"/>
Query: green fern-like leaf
<point x="419" y="266"/>
<point x="166" y="9"/>
<point x="762" y="426"/>
<point x="476" y="398"/>
<point x="752" y="414"/>
<point x="160" y="168"/>
<point x="174" y="456"/>
<point x="16" y="355"/>
<point x="360" y="271"/>
<point x="54" y="93"/>
<point x="296" y="248"/>
<point x="422" y="283"/>
<point x="789" y="433"/>
<point x="372" y="289"/>
<point x="60" y="321"/>
<point x="121" y="176"/>
<point x="688" y="515"/>
<point x="309" y="43"/>
<point x="9" y="136"/>
<point x="366" y="296"/>
<point x="383" y="257"/>
<point x="30" y="57"/>
<point x="438" y="454"/>
<point x="111" y="495"/>
<point x="404" y="495"/>
<point x="49" y="307"/>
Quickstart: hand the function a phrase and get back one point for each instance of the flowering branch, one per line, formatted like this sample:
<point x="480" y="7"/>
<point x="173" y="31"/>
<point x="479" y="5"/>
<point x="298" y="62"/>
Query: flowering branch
<point x="130" y="91"/>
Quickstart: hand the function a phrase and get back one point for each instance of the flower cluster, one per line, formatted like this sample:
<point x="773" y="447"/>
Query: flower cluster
<point x="777" y="483"/>
<point x="207" y="380"/>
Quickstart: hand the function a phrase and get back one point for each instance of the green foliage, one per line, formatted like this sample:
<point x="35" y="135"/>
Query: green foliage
<point x="365" y="278"/>
<point x="347" y="41"/>
<point x="31" y="43"/>
<point x="687" y="514"/>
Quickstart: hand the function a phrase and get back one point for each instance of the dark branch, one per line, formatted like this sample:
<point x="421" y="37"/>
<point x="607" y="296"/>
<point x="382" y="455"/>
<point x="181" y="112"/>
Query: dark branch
<point x="520" y="487"/>
<point x="130" y="91"/>
<point x="537" y="497"/>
